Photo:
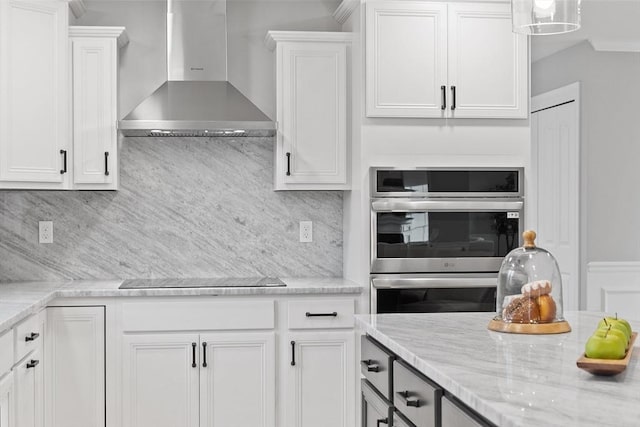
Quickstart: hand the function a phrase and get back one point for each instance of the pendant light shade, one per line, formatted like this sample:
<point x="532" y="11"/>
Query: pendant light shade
<point x="545" y="16"/>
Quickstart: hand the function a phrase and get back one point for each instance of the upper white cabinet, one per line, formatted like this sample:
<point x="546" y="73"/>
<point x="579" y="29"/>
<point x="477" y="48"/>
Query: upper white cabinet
<point x="34" y="120"/>
<point x="444" y="60"/>
<point x="94" y="52"/>
<point x="311" y="82"/>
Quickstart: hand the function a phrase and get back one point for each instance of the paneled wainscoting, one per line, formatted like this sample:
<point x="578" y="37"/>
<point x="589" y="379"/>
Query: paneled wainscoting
<point x="614" y="287"/>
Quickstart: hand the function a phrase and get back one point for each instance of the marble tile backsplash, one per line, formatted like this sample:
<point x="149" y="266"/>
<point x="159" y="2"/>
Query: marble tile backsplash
<point x="187" y="207"/>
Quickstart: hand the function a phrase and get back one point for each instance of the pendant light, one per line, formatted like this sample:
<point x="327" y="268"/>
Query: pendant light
<point x="540" y="17"/>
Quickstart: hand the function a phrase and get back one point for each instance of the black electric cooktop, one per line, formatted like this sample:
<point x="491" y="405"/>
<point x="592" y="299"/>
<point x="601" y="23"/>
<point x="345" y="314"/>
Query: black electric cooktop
<point x="216" y="282"/>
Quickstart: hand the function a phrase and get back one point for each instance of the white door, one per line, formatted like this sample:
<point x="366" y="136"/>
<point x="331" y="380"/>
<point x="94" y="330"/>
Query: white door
<point x="94" y="110"/>
<point x="34" y="86"/>
<point x="488" y="63"/>
<point x="6" y="401"/>
<point x="29" y="390"/>
<point x="237" y="379"/>
<point x="75" y="367"/>
<point x="555" y="201"/>
<point x="319" y="379"/>
<point x="313" y="114"/>
<point x="160" y="380"/>
<point x="406" y="59"/>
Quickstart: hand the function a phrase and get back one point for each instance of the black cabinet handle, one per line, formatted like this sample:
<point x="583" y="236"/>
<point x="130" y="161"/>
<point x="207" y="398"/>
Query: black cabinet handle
<point x="106" y="163"/>
<point x="288" y="164"/>
<point x="371" y="365"/>
<point x="453" y="96"/>
<point x="64" y="162"/>
<point x="193" y="355"/>
<point x="443" y="90"/>
<point x="408" y="400"/>
<point x="32" y="364"/>
<point x="204" y="354"/>
<point x="332" y="314"/>
<point x="382" y="421"/>
<point x="293" y="353"/>
<point x="31" y="337"/>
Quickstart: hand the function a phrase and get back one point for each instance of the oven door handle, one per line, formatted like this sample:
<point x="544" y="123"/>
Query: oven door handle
<point x="430" y="283"/>
<point x="409" y="205"/>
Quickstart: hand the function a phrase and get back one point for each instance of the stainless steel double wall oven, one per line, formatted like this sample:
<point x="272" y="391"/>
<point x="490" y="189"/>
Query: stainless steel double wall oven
<point x="438" y="236"/>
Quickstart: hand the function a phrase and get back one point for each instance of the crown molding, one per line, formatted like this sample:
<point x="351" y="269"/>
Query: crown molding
<point x="603" y="44"/>
<point x="274" y="37"/>
<point x="345" y="9"/>
<point x="119" y="33"/>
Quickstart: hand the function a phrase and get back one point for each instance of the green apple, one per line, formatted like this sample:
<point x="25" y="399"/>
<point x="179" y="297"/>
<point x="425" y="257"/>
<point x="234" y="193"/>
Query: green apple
<point x="613" y="320"/>
<point x="611" y="329"/>
<point x="608" y="346"/>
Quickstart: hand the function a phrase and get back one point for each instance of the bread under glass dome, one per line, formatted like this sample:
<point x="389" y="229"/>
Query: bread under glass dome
<point x="529" y="294"/>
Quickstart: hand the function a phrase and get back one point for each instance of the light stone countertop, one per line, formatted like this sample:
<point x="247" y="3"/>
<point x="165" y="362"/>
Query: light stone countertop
<point x="19" y="300"/>
<point x="513" y="380"/>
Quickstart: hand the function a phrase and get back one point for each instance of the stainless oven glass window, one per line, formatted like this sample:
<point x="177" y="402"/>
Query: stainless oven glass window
<point x="436" y="300"/>
<point x="444" y="234"/>
<point x="447" y="181"/>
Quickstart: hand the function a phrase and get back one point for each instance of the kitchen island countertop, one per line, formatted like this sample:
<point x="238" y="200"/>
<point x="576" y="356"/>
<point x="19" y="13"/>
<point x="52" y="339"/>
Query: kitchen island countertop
<point x="18" y="300"/>
<point x="513" y="380"/>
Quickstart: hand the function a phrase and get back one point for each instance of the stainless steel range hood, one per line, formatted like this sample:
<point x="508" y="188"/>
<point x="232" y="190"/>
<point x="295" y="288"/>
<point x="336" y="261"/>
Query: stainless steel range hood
<point x="196" y="99"/>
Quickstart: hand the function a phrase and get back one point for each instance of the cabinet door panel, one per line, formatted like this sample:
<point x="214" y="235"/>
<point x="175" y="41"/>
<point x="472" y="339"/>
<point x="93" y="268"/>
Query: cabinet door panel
<point x="487" y="62"/>
<point x="29" y="390"/>
<point x="406" y="58"/>
<point x="237" y="386"/>
<point x="75" y="367"/>
<point x="160" y="383"/>
<point x="313" y="113"/>
<point x="33" y="82"/>
<point x="321" y="384"/>
<point x="6" y="401"/>
<point x="94" y="110"/>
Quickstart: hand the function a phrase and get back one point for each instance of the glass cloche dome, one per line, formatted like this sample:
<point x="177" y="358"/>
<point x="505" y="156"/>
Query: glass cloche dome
<point x="529" y="297"/>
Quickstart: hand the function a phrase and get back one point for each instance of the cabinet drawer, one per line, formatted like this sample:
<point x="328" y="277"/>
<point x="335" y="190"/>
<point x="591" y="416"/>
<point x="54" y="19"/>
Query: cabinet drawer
<point x="197" y="315"/>
<point x="325" y="314"/>
<point x="400" y="421"/>
<point x="454" y="415"/>
<point x="6" y="352"/>
<point x="27" y="336"/>
<point x="415" y="397"/>
<point x="375" y="365"/>
<point x="375" y="410"/>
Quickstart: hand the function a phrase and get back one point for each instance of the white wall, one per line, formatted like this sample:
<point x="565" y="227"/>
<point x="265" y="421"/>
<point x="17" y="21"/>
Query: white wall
<point x="143" y="60"/>
<point x="610" y="135"/>
<point x="251" y="66"/>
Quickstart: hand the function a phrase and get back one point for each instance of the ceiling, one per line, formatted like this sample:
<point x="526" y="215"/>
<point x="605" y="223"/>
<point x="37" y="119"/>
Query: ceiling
<point x="603" y="21"/>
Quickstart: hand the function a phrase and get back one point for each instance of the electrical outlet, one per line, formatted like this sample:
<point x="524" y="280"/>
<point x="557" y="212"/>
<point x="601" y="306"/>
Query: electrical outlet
<point x="306" y="231"/>
<point x="45" y="229"/>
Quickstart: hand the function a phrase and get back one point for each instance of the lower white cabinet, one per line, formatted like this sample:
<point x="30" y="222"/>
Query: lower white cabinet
<point x="224" y="379"/>
<point x="7" y="400"/>
<point x="320" y="379"/>
<point x="75" y="367"/>
<point x="29" y="383"/>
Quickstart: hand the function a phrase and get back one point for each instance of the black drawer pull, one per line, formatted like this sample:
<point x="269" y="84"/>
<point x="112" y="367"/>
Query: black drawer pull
<point x="288" y="164"/>
<point x="31" y="337"/>
<point x="371" y="365"/>
<point x="453" y="95"/>
<point x="293" y="353"/>
<point x="443" y="90"/>
<point x="33" y="364"/>
<point x="408" y="400"/>
<point x="64" y="162"/>
<point x="106" y="163"/>
<point x="332" y="314"/>
<point x="204" y="354"/>
<point x="382" y="421"/>
<point x="193" y="355"/>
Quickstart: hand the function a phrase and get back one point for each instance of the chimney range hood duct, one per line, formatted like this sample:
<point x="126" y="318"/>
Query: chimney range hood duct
<point x="197" y="99"/>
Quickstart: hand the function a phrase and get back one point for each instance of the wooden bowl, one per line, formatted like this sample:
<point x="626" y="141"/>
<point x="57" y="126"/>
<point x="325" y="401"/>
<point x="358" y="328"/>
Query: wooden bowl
<point x="607" y="366"/>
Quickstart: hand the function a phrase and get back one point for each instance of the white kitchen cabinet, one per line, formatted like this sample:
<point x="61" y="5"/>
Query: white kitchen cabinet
<point x="7" y="400"/>
<point x="320" y="379"/>
<point x="447" y="60"/>
<point x="94" y="59"/>
<point x="237" y="379"/>
<point x="75" y="367"/>
<point x="34" y="119"/>
<point x="29" y="383"/>
<point x="311" y="150"/>
<point x="161" y="380"/>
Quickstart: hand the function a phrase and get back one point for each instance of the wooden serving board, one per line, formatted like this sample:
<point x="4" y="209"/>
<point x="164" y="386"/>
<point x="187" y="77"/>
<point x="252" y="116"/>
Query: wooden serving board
<point x="607" y="366"/>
